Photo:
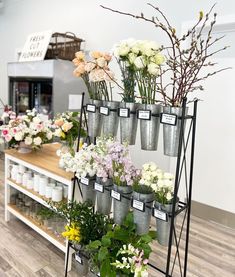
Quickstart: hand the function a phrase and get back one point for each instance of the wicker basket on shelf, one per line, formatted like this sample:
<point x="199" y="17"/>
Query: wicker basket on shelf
<point x="63" y="46"/>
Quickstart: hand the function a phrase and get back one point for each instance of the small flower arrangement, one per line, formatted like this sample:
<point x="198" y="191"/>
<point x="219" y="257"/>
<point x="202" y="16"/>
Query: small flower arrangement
<point x="66" y="127"/>
<point x="31" y="129"/>
<point x="95" y="73"/>
<point x="72" y="233"/>
<point x="139" y="61"/>
<point x="130" y="261"/>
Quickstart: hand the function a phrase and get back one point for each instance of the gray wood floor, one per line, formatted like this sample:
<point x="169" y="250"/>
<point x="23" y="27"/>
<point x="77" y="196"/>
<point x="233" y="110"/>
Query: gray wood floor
<point x="25" y="253"/>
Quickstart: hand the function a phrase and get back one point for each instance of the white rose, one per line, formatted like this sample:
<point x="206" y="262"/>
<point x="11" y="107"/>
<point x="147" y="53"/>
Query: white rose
<point x="168" y="175"/>
<point x="140" y="62"/>
<point x="123" y="50"/>
<point x="49" y="135"/>
<point x="153" y="69"/>
<point x="101" y="62"/>
<point x="168" y="196"/>
<point x="28" y="140"/>
<point x="160" y="183"/>
<point x="131" y="58"/>
<point x="159" y="59"/>
<point x="19" y="136"/>
<point x="153" y="166"/>
<point x="145" y="166"/>
<point x="67" y="126"/>
<point x="37" y="141"/>
<point x="58" y="132"/>
<point x="36" y="120"/>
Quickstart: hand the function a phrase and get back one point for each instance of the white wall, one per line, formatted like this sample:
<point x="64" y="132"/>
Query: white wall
<point x="101" y="29"/>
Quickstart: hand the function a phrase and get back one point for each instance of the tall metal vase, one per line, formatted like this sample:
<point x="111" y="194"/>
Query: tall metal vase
<point x="88" y="192"/>
<point x="163" y="227"/>
<point x="104" y="200"/>
<point x="149" y="129"/>
<point x="128" y="126"/>
<point x="171" y="134"/>
<point x="94" y="120"/>
<point x="81" y="264"/>
<point x="142" y="218"/>
<point x="122" y="207"/>
<point x="110" y="121"/>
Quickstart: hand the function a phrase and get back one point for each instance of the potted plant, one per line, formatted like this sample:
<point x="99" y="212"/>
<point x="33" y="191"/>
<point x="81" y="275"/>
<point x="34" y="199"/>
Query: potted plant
<point x="27" y="132"/>
<point x="120" y="239"/>
<point x="128" y="123"/>
<point x="97" y="77"/>
<point x="66" y="126"/>
<point x="44" y="215"/>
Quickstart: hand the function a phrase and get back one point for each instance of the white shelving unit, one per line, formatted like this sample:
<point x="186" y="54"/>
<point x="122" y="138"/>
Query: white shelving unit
<point x="44" y="162"/>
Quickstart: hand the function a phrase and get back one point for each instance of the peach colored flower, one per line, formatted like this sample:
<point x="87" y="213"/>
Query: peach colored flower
<point x="97" y="75"/>
<point x="76" y="73"/>
<point x="80" y="55"/>
<point x="96" y="54"/>
<point x="107" y="57"/>
<point x="76" y="61"/>
<point x="89" y="66"/>
<point x="81" y="68"/>
<point x="101" y="62"/>
<point x="59" y="122"/>
<point x="67" y="126"/>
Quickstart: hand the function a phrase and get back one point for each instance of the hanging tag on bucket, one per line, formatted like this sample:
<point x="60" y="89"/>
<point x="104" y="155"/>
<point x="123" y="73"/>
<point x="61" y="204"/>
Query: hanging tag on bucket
<point x="138" y="205"/>
<point x="78" y="258"/>
<point x="144" y="114"/>
<point x="116" y="195"/>
<point x="124" y="112"/>
<point x="160" y="214"/>
<point x="169" y="119"/>
<point x="99" y="187"/>
<point x="91" y="108"/>
<point x="84" y="181"/>
<point x="104" y="110"/>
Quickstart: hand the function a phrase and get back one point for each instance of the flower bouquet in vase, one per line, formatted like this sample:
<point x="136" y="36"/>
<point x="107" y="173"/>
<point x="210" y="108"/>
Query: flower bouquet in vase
<point x="98" y="78"/>
<point x="27" y="132"/>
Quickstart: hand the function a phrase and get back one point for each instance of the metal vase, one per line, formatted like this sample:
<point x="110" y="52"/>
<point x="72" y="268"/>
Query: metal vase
<point x="149" y="129"/>
<point x="83" y="267"/>
<point x="104" y="200"/>
<point x="171" y="134"/>
<point x="142" y="218"/>
<point x="94" y="120"/>
<point x="88" y="192"/>
<point x="163" y="227"/>
<point x="110" y="122"/>
<point x="121" y="208"/>
<point x="128" y="126"/>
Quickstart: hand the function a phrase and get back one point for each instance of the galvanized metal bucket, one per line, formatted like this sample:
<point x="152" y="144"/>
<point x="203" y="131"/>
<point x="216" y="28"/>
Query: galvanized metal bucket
<point x="171" y="134"/>
<point x="81" y="266"/>
<point x="128" y="126"/>
<point x="163" y="227"/>
<point x="104" y="200"/>
<point x="142" y="218"/>
<point x="94" y="120"/>
<point x="110" y="121"/>
<point x="149" y="129"/>
<point x="88" y="192"/>
<point x="122" y="207"/>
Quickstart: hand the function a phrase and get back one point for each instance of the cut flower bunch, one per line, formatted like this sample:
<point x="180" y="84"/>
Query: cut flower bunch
<point x="95" y="73"/>
<point x="32" y="129"/>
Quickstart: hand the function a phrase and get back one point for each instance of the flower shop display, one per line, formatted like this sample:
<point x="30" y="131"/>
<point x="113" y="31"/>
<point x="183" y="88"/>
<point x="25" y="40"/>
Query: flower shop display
<point x="127" y="113"/>
<point x="27" y="132"/>
<point x="98" y="78"/>
<point x="66" y="126"/>
<point x="121" y="241"/>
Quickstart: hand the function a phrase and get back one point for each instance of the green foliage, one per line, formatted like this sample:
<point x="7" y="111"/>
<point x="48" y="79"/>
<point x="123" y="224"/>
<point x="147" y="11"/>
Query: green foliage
<point x="103" y="252"/>
<point x="45" y="213"/>
<point x="142" y="188"/>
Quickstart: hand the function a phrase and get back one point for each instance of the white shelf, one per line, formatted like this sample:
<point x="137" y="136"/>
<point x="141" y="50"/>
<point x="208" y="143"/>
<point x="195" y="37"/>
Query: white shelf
<point x="39" y="230"/>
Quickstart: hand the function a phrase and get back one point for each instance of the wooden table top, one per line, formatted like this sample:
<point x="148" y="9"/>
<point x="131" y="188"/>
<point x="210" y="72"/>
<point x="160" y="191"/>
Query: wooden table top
<point x="44" y="158"/>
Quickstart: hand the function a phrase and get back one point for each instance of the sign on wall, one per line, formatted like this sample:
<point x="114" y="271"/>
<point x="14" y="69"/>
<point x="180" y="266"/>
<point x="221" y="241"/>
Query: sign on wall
<point x="35" y="47"/>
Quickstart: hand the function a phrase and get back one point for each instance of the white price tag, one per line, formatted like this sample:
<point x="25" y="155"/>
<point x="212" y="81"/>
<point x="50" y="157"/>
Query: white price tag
<point x="84" y="181"/>
<point x="104" y="110"/>
<point x="138" y="205"/>
<point x="123" y="112"/>
<point x="143" y="114"/>
<point x="91" y="108"/>
<point x="99" y="187"/>
<point x="169" y="119"/>
<point x="160" y="215"/>
<point x="116" y="195"/>
<point x="78" y="258"/>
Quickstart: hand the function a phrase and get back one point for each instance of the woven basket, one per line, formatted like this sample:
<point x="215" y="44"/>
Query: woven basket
<point x="63" y="46"/>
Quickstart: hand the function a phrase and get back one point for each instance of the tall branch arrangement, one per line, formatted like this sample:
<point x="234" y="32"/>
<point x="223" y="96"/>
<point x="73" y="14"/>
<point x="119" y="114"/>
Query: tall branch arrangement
<point x="184" y="62"/>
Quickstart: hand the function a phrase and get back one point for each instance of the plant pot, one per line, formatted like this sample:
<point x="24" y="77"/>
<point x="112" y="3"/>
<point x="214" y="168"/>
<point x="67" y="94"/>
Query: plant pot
<point x="122" y="207"/>
<point x="128" y="126"/>
<point x="23" y="148"/>
<point x="110" y="122"/>
<point x="104" y="200"/>
<point x="142" y="218"/>
<point x="81" y="264"/>
<point x="149" y="129"/>
<point x="171" y="134"/>
<point x="94" y="120"/>
<point x="163" y="227"/>
<point x="88" y="192"/>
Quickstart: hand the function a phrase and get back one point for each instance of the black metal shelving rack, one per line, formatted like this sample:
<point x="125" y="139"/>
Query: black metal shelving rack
<point x="184" y="170"/>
